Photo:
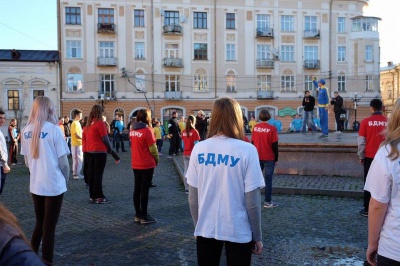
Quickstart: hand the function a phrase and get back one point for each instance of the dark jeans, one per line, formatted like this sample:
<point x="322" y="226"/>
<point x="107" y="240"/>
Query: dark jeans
<point x="13" y="152"/>
<point x="367" y="194"/>
<point x="268" y="167"/>
<point x="159" y="144"/>
<point x="120" y="139"/>
<point x="338" y="121"/>
<point x="95" y="168"/>
<point x="209" y="252"/>
<point x="85" y="168"/>
<point x="47" y="210"/>
<point x="174" y="144"/>
<point x="143" y="179"/>
<point x="383" y="261"/>
<point x="3" y="180"/>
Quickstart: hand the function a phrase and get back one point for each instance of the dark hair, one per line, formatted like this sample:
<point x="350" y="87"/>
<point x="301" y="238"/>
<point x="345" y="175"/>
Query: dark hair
<point x="264" y="115"/>
<point x="95" y="114"/>
<point x="2" y="111"/>
<point x="144" y="116"/>
<point x="191" y="121"/>
<point x="174" y="113"/>
<point x="77" y="112"/>
<point x="376" y="104"/>
<point x="306" y="92"/>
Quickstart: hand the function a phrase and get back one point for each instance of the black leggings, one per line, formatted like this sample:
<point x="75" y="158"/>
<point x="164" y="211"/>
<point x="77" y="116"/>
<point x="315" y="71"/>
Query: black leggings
<point x="143" y="179"/>
<point x="47" y="210"/>
<point x="95" y="169"/>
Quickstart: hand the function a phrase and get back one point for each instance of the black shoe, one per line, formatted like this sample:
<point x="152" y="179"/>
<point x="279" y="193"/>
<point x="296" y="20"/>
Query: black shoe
<point x="124" y="150"/>
<point x="147" y="220"/>
<point x="364" y="212"/>
<point x="152" y="185"/>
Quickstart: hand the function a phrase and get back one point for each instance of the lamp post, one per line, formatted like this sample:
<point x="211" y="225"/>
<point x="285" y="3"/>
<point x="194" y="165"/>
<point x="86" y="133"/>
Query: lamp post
<point x="101" y="100"/>
<point x="356" y="98"/>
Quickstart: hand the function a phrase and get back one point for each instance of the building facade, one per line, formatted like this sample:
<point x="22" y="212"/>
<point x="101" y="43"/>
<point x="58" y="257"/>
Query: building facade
<point x="24" y="75"/>
<point x="390" y="86"/>
<point x="182" y="55"/>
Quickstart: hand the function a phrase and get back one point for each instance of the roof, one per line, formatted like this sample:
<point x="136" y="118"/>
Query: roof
<point x="357" y="17"/>
<point x="29" y="55"/>
<point x="388" y="67"/>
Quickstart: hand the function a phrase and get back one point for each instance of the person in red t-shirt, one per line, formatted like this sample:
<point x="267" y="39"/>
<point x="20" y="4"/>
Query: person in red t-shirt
<point x="369" y="139"/>
<point x="96" y="146"/>
<point x="190" y="136"/>
<point x="144" y="160"/>
<point x="265" y="138"/>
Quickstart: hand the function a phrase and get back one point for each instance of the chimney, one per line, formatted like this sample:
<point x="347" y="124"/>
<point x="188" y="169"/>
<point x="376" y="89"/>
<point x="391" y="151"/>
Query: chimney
<point x="15" y="54"/>
<point x="390" y="63"/>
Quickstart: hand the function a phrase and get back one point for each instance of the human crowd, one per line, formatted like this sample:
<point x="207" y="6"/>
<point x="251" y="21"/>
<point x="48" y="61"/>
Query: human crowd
<point x="224" y="174"/>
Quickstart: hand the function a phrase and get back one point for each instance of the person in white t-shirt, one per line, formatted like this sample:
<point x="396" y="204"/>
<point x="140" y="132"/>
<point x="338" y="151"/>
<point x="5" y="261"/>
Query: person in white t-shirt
<point x="224" y="179"/>
<point x="45" y="152"/>
<point x="383" y="182"/>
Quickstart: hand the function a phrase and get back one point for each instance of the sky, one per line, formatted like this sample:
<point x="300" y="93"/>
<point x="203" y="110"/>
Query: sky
<point x="32" y="25"/>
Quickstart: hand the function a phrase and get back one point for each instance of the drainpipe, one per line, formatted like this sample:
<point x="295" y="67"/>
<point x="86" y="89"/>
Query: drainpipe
<point x="59" y="65"/>
<point x="215" y="49"/>
<point x="152" y="52"/>
<point x="330" y="45"/>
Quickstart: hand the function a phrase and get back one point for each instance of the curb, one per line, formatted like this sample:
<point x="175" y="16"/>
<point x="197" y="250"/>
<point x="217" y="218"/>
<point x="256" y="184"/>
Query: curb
<point x="294" y="190"/>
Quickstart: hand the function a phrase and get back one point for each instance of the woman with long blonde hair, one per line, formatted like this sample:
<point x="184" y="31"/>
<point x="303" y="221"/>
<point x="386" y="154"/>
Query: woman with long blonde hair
<point x="224" y="179"/>
<point x="383" y="182"/>
<point x="45" y="154"/>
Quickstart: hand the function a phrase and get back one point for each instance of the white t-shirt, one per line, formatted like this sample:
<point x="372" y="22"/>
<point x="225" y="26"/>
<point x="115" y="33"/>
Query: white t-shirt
<point x="383" y="181"/>
<point x="46" y="178"/>
<point x="3" y="147"/>
<point x="223" y="170"/>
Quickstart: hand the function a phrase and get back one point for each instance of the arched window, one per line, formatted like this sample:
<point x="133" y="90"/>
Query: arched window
<point x="288" y="81"/>
<point x="13" y="90"/>
<point x="38" y="87"/>
<point x="74" y="80"/>
<point x="200" y="80"/>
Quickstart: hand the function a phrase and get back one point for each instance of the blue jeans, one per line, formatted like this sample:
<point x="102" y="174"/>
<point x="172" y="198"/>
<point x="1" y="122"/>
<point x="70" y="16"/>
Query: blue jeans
<point x="323" y="116"/>
<point x="3" y="179"/>
<point x="268" y="167"/>
<point x="308" y="116"/>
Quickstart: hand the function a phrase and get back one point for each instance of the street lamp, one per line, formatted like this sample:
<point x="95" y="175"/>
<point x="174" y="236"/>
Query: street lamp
<point x="356" y="98"/>
<point x="101" y="100"/>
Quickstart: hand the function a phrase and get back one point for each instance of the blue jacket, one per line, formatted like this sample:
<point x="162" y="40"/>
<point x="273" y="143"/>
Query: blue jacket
<point x="323" y="98"/>
<point x="14" y="250"/>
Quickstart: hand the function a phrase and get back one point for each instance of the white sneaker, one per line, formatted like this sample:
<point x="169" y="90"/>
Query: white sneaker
<point x="77" y="177"/>
<point x="337" y="132"/>
<point x="270" y="205"/>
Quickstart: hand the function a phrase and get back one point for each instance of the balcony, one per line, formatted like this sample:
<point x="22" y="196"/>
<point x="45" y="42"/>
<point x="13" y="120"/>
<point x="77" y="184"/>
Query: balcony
<point x="106" y="28"/>
<point x="172" y="29"/>
<point x="103" y="61"/>
<point x="311" y="64"/>
<point x="311" y="34"/>
<point x="108" y="95"/>
<point x="173" y="62"/>
<point x="173" y="95"/>
<point x="265" y="63"/>
<point x="230" y="88"/>
<point x="265" y="33"/>
<point x="265" y="94"/>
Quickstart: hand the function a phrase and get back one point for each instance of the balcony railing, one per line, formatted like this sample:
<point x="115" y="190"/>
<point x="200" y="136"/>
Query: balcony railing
<point x="265" y="32"/>
<point x="311" y="64"/>
<point x="172" y="29"/>
<point x="103" y="61"/>
<point x="173" y="95"/>
<point x="310" y="34"/>
<point x="265" y="95"/>
<point x="230" y="89"/>
<point x="108" y="95"/>
<point x="106" y="27"/>
<point x="265" y="63"/>
<point x="173" y="62"/>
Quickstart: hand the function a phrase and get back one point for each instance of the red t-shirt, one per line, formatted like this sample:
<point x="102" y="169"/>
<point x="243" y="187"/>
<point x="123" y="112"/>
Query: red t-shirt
<point x="141" y="140"/>
<point x="92" y="137"/>
<point x="371" y="129"/>
<point x="263" y="136"/>
<point x="188" y="141"/>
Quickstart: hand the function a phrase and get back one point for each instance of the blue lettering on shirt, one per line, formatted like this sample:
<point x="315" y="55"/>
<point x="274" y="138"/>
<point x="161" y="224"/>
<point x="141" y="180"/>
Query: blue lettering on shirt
<point x="217" y="159"/>
<point x="28" y="135"/>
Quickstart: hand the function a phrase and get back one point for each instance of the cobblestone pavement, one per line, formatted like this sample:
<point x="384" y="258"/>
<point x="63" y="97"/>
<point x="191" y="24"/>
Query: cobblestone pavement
<point x="303" y="230"/>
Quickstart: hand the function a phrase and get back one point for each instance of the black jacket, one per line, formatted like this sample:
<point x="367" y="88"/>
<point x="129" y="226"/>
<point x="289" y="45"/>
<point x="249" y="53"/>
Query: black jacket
<point x="309" y="106"/>
<point x="14" y="250"/>
<point x="337" y="103"/>
<point x="201" y="126"/>
<point x="173" y="127"/>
